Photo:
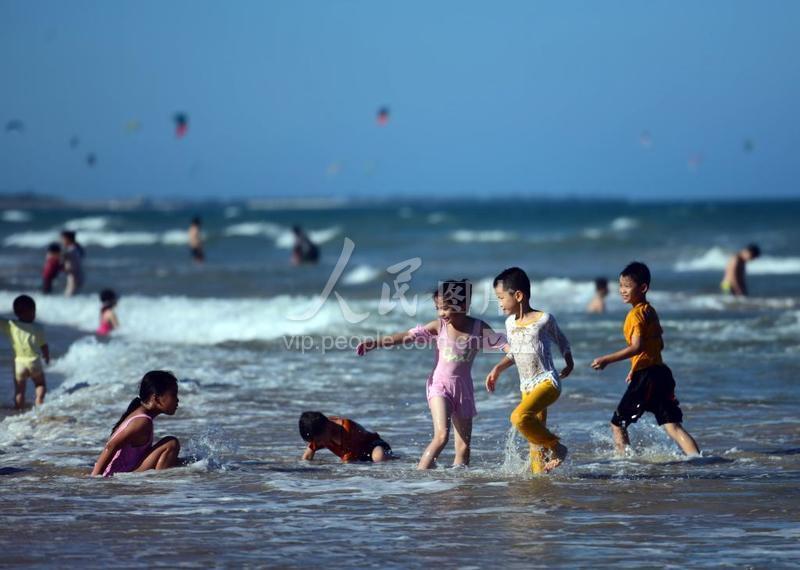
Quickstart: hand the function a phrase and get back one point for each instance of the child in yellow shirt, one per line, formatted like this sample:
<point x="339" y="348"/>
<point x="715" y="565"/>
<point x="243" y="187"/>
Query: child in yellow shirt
<point x="651" y="387"/>
<point x="29" y="346"/>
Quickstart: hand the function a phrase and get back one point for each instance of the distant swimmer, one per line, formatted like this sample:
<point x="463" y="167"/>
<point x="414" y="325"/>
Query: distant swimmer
<point x="196" y="241"/>
<point x="130" y="447"/>
<point x="733" y="281"/>
<point x="72" y="262"/>
<point x="304" y="250"/>
<point x="346" y="439"/>
<point x="598" y="302"/>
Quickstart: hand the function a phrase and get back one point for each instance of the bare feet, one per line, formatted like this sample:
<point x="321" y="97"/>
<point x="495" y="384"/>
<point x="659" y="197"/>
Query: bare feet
<point x="557" y="456"/>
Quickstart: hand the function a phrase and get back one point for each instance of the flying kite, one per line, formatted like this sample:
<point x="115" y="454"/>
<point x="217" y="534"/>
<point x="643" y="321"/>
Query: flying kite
<point x="382" y="117"/>
<point x="181" y="124"/>
<point x="15" y="125"/>
<point x="91" y="159"/>
<point x="748" y="145"/>
<point x="646" y="139"/>
<point x="74" y="141"/>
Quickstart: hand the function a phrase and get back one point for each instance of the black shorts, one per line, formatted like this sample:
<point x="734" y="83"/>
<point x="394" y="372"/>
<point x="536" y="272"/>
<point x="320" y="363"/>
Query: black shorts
<point x="197" y="254"/>
<point x="366" y="455"/>
<point x="651" y="390"/>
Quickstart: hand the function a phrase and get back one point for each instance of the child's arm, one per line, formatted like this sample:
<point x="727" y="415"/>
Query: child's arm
<point x="563" y="347"/>
<point x="112" y="316"/>
<point x="628" y="352"/>
<point x="133" y="429"/>
<point x="386" y="341"/>
<point x="494" y="374"/>
<point x="46" y="353"/>
<point x="308" y="454"/>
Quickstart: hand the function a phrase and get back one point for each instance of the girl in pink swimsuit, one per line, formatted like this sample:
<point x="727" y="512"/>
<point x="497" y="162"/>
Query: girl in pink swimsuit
<point x="458" y="339"/>
<point x="108" y="318"/>
<point x="130" y="447"/>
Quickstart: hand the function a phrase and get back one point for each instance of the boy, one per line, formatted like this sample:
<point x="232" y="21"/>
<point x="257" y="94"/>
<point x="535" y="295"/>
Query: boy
<point x="733" y="281"/>
<point x="530" y="334"/>
<point x="598" y="303"/>
<point x="196" y="241"/>
<point x="52" y="267"/>
<point x="651" y="387"/>
<point x="344" y="437"/>
<point x="29" y="346"/>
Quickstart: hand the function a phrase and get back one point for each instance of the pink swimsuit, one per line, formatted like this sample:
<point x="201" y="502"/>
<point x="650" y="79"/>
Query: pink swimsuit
<point x="128" y="457"/>
<point x="451" y="378"/>
<point x="106" y="326"/>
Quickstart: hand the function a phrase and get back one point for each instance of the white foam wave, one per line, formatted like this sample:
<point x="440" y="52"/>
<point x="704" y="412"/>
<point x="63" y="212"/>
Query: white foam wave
<point x="622" y="224"/>
<point x="16" y="216"/>
<point x="361" y="274"/>
<point x="286" y="239"/>
<point x="716" y="258"/>
<point x="183" y="320"/>
<point x="107" y="239"/>
<point x="482" y="236"/>
<point x="91" y="223"/>
<point x="250" y="229"/>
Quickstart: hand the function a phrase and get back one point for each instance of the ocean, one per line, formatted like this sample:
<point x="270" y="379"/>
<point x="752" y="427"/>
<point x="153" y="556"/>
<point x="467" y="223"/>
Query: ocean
<point x="255" y="341"/>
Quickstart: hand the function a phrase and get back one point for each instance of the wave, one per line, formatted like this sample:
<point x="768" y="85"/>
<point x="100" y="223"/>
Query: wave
<point x="482" y="236"/>
<point x="16" y="216"/>
<point x="91" y="223"/>
<point x="203" y="321"/>
<point x="251" y="229"/>
<point x="716" y="258"/>
<point x="107" y="239"/>
<point x="361" y="274"/>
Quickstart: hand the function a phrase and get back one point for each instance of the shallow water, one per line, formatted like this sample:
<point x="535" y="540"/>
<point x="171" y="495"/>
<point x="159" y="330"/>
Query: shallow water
<point x="247" y="499"/>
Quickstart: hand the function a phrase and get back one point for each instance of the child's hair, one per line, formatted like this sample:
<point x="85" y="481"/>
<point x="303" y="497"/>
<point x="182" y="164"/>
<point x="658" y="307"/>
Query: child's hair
<point x="196" y="221"/>
<point x="108" y="298"/>
<point x="637" y="271"/>
<point x="155" y="382"/>
<point x="312" y="424"/>
<point x="23" y="304"/>
<point x="54" y="248"/>
<point x="601" y="284"/>
<point x="69" y="235"/>
<point x="514" y="279"/>
<point x="457" y="293"/>
<point x="754" y="250"/>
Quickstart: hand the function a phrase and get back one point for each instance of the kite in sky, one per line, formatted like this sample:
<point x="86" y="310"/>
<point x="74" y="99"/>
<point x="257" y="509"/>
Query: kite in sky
<point x="181" y="124"/>
<point x="383" y="116"/>
<point x="15" y="125"/>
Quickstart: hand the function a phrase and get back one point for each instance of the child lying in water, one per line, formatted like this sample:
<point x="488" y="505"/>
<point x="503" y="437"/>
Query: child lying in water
<point x="345" y="438"/>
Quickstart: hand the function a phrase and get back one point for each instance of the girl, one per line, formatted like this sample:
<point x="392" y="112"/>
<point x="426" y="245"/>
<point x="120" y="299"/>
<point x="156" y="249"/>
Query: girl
<point x="108" y="319"/>
<point x="449" y="388"/>
<point x="130" y="447"/>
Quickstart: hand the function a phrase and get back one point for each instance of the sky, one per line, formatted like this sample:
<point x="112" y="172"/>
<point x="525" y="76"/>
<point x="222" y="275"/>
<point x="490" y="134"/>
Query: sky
<point x="487" y="99"/>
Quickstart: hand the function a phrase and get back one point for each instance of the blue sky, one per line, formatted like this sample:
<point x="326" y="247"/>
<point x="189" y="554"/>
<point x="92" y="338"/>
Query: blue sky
<point x="519" y="97"/>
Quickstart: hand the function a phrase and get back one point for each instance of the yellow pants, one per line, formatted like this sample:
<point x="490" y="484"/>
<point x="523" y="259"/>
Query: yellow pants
<point x="530" y="418"/>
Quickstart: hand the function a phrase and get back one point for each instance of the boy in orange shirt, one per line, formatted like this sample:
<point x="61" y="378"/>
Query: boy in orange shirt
<point x="345" y="438"/>
<point x="651" y="387"/>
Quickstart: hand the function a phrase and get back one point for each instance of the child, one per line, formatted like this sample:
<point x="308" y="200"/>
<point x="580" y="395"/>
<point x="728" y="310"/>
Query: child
<point x="52" y="267"/>
<point x="345" y="438"/>
<point x="598" y="303"/>
<point x="130" y="447"/>
<point x="30" y="347"/>
<point x="733" y="281"/>
<point x="449" y="388"/>
<point x="108" y="319"/>
<point x="651" y="387"/>
<point x="531" y="333"/>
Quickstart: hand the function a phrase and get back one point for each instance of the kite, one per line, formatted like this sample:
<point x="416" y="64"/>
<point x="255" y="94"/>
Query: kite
<point x="181" y="124"/>
<point x="15" y="125"/>
<point x="383" y="116"/>
<point x="91" y="159"/>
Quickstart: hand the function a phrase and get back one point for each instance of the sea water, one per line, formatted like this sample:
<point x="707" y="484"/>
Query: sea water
<point x="255" y="341"/>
